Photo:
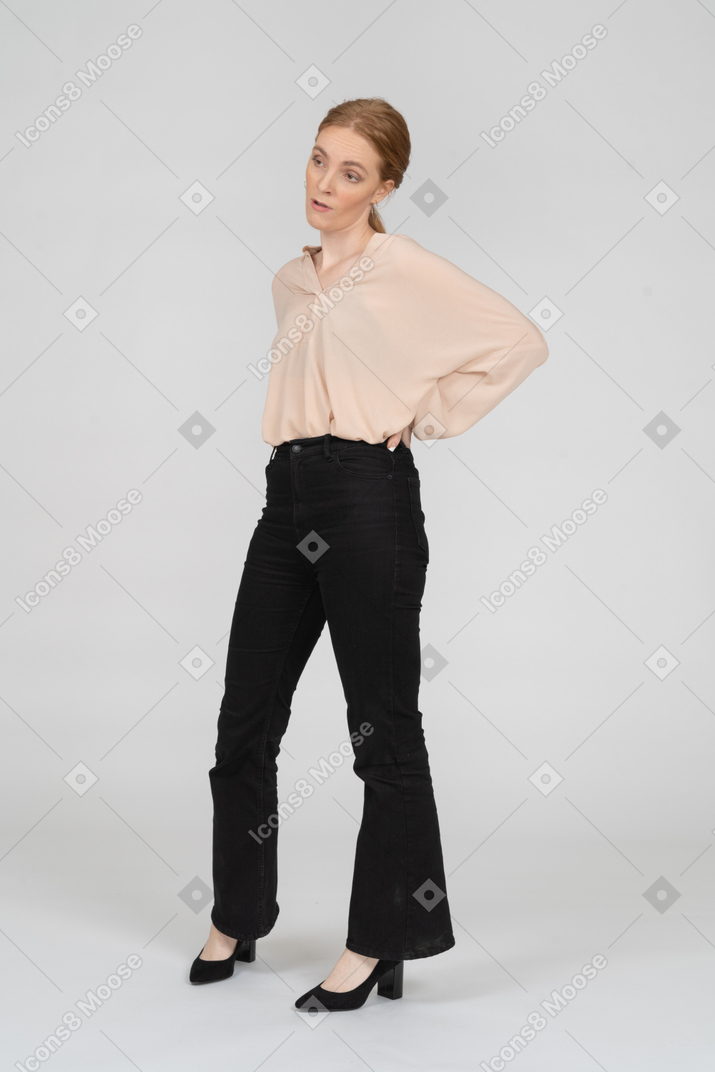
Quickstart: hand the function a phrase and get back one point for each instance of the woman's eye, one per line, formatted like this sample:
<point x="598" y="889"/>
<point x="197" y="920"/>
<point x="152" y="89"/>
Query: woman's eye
<point x="349" y="174"/>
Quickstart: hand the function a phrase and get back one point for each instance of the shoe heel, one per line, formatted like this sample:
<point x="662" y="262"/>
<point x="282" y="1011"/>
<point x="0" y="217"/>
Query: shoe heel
<point x="390" y="984"/>
<point x="246" y="951"/>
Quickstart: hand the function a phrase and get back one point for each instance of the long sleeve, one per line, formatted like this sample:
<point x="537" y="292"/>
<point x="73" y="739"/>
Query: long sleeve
<point x="489" y="346"/>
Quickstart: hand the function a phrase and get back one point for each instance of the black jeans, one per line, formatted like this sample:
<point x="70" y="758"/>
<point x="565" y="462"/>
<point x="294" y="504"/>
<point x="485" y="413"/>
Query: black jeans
<point x="341" y="538"/>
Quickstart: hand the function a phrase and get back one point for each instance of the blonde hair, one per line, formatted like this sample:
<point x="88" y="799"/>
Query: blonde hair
<point x="386" y="130"/>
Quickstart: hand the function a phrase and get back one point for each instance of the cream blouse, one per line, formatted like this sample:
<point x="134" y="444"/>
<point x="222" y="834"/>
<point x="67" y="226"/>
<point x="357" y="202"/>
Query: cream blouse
<point x="405" y="337"/>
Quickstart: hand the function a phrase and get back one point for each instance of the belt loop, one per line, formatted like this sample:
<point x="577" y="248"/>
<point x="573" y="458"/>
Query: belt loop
<point x="326" y="447"/>
<point x="273" y="454"/>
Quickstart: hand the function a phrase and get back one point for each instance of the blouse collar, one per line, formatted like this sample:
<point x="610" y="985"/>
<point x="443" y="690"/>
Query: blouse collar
<point x="311" y="275"/>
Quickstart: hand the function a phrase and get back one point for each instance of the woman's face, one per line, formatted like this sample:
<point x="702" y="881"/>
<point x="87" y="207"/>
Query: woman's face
<point x="342" y="173"/>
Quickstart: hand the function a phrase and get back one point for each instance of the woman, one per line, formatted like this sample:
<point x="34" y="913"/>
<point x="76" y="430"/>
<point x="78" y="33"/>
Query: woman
<point x="377" y="337"/>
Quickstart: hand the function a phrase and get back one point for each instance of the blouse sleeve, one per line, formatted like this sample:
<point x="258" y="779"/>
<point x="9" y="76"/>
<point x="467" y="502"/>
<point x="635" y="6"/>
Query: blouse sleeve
<point x="482" y="346"/>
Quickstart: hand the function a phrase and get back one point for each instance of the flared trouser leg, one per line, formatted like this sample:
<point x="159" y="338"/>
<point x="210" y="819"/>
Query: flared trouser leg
<point x="277" y="620"/>
<point x="372" y="584"/>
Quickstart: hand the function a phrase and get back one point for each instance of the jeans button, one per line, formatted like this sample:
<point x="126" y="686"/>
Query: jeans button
<point x="296" y="447"/>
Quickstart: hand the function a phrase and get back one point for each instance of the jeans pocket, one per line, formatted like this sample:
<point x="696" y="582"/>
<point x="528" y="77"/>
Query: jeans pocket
<point x="365" y="462"/>
<point x="418" y="517"/>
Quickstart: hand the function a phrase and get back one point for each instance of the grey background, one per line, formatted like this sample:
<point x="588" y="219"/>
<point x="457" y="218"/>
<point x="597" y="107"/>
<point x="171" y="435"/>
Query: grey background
<point x="539" y="882"/>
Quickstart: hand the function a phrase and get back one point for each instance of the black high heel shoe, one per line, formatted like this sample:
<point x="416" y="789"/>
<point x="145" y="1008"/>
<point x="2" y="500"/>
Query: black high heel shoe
<point x="387" y="974"/>
<point x="210" y="971"/>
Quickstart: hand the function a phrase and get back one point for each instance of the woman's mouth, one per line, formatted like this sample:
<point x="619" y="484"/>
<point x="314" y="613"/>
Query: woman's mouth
<point x="318" y="206"/>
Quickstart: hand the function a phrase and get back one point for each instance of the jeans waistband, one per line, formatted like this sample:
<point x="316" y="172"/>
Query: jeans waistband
<point x="326" y="443"/>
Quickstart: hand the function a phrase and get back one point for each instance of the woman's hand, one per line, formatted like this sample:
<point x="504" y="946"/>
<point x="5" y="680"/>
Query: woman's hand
<point x="405" y="435"/>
